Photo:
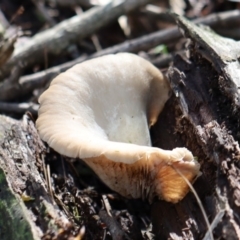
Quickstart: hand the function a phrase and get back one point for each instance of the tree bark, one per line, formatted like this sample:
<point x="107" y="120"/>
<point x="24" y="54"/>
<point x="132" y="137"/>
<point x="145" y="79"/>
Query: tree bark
<point x="26" y="207"/>
<point x="203" y="115"/>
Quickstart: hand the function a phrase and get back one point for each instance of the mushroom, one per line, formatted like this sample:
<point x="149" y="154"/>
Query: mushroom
<point x="100" y="111"/>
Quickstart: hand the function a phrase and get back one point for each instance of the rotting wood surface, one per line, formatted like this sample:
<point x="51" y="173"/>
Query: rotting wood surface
<point x="204" y="116"/>
<point x="31" y="210"/>
<point x="26" y="208"/>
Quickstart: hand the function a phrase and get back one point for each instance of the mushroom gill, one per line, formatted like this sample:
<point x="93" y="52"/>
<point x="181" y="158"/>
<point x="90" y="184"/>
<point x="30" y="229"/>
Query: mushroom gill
<point x="100" y="111"/>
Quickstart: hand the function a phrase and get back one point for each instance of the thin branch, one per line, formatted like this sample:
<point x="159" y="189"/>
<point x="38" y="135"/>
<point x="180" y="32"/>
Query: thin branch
<point x="37" y="80"/>
<point x="59" y="37"/>
<point x="18" y="108"/>
<point x="72" y="3"/>
<point x="113" y="226"/>
<point x="198" y="201"/>
<point x="42" y="11"/>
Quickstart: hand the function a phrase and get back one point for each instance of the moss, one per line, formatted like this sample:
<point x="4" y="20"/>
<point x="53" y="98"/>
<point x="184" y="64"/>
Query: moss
<point x="13" y="223"/>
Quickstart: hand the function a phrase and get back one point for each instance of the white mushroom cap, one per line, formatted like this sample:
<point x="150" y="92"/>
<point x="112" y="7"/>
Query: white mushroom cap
<point x="100" y="111"/>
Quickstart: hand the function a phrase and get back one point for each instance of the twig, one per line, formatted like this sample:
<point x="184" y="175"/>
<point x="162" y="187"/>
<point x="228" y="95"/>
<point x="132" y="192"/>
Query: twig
<point x="114" y="227"/>
<point x="96" y="42"/>
<point x="107" y="205"/>
<point x="37" y="80"/>
<point x="40" y="79"/>
<point x="215" y="222"/>
<point x="59" y="37"/>
<point x="43" y="12"/>
<point x="198" y="201"/>
<point x="44" y="170"/>
<point x="49" y="184"/>
<point x="18" y="108"/>
<point x="162" y="61"/>
<point x="72" y="3"/>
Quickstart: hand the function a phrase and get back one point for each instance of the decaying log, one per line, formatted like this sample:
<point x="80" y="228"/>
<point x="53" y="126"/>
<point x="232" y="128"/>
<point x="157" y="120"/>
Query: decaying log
<point x="32" y="208"/>
<point x="204" y="116"/>
<point x="27" y="210"/>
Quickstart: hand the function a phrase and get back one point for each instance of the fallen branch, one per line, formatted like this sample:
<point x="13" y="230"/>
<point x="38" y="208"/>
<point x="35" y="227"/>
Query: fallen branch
<point x="72" y="3"/>
<point x="42" y="11"/>
<point x="30" y="82"/>
<point x="55" y="40"/>
<point x="18" y="108"/>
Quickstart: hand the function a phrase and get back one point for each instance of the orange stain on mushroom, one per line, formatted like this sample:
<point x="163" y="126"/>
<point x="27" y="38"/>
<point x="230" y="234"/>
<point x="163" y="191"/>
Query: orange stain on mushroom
<point x="152" y="175"/>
